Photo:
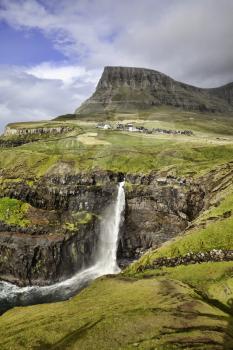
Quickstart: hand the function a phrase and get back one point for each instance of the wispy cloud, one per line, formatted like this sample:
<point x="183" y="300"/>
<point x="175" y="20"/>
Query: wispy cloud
<point x="66" y="73"/>
<point x="27" y="95"/>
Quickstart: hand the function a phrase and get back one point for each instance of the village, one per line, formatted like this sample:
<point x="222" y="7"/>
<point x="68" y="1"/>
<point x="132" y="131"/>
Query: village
<point x="141" y="129"/>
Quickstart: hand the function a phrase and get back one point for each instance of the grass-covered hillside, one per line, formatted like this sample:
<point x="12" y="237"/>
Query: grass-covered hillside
<point x="84" y="147"/>
<point x="174" y="309"/>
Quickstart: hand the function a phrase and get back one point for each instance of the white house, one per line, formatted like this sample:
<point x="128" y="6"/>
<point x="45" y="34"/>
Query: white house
<point x="131" y="128"/>
<point x="103" y="126"/>
<point x="107" y="126"/>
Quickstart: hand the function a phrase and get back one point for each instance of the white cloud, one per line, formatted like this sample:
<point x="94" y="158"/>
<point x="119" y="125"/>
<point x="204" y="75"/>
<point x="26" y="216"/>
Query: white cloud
<point x="66" y="73"/>
<point x="25" y="96"/>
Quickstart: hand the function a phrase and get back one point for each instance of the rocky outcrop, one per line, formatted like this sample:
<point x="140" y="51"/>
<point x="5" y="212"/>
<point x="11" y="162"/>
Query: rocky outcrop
<point x="156" y="210"/>
<point x="44" y="259"/>
<point x="11" y="131"/>
<point x="59" y="241"/>
<point x="124" y="89"/>
<point x="51" y="250"/>
<point x="214" y="255"/>
<point x="18" y="136"/>
<point x="72" y="192"/>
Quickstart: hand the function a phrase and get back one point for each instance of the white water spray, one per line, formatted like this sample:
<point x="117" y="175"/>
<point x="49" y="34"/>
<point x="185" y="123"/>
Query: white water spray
<point x="105" y="263"/>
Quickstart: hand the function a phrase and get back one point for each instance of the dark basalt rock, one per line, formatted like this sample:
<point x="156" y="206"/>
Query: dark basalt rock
<point x="157" y="212"/>
<point x="47" y="253"/>
<point x="41" y="260"/>
<point x="157" y="209"/>
<point x="214" y="255"/>
<point x="78" y="192"/>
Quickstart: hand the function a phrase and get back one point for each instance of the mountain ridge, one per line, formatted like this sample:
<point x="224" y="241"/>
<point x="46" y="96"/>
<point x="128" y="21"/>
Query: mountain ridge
<point x="125" y="89"/>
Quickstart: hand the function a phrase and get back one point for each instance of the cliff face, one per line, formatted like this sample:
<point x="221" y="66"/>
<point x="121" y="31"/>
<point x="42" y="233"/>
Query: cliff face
<point x="224" y="92"/>
<point x="64" y="222"/>
<point x="123" y="89"/>
<point x="17" y="136"/>
<point x="62" y="227"/>
<point x="59" y="232"/>
<point x="31" y="259"/>
<point x="9" y="131"/>
<point x="157" y="209"/>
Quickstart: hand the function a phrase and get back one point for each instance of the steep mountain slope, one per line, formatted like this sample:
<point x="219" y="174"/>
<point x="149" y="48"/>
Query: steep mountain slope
<point x="125" y="89"/>
<point x="225" y="92"/>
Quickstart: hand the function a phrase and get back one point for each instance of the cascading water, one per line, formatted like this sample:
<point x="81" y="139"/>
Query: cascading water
<point x="105" y="263"/>
<point x="106" y="257"/>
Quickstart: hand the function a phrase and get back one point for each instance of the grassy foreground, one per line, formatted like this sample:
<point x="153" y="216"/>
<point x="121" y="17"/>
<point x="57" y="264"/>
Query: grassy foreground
<point x="118" y="313"/>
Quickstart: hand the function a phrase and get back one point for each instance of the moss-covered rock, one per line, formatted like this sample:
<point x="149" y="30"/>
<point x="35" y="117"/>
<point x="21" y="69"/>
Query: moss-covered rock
<point x="14" y="212"/>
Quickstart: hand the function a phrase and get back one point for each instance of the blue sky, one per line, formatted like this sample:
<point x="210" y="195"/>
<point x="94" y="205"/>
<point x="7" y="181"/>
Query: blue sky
<point x="30" y="47"/>
<point x="53" y="52"/>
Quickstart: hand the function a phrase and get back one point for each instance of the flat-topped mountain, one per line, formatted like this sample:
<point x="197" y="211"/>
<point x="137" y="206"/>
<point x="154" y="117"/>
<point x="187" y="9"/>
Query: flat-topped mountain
<point x="124" y="89"/>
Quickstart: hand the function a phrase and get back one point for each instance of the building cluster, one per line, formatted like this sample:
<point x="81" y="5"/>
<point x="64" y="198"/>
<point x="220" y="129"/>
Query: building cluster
<point x="173" y="132"/>
<point x="104" y="126"/>
<point x="131" y="128"/>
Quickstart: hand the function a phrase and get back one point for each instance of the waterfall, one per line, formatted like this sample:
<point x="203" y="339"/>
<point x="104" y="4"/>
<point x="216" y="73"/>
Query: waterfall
<point x="105" y="263"/>
<point x="107" y="251"/>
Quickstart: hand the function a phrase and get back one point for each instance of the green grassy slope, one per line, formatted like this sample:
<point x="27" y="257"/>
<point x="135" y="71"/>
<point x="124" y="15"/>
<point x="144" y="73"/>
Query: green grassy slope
<point x="115" y="313"/>
<point x="212" y="144"/>
<point x="13" y="212"/>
